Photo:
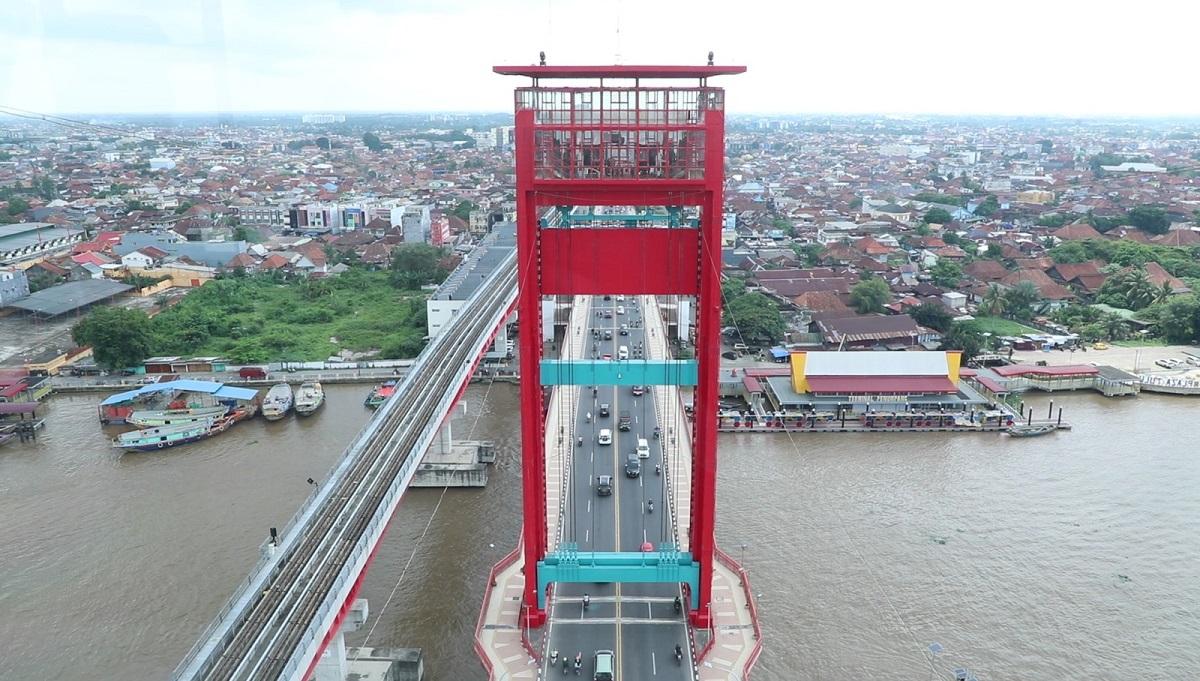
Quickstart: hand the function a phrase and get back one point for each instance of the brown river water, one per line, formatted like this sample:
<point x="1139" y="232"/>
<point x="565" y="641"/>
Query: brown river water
<point x="1070" y="556"/>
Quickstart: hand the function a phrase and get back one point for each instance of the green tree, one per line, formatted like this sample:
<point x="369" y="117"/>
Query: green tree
<point x="809" y="254"/>
<point x="994" y="250"/>
<point x="946" y="273"/>
<point x="1177" y="320"/>
<point x="120" y="337"/>
<point x="994" y="302"/>
<point x="870" y="295"/>
<point x="932" y="315"/>
<point x="1053" y="220"/>
<point x="732" y="289"/>
<point x="1150" y="220"/>
<point x="183" y="207"/>
<point x="965" y="337"/>
<point x="1021" y="299"/>
<point x="989" y="206"/>
<point x="756" y="316"/>
<point x="372" y="141"/>
<point x="1047" y="146"/>
<point x="1114" y="325"/>
<point x="948" y="199"/>
<point x="937" y="216"/>
<point x="414" y="265"/>
<point x="463" y="210"/>
<point x="17" y="206"/>
<point x="323" y="143"/>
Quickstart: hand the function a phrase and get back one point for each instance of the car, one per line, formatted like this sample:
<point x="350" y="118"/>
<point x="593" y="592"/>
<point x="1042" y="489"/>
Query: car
<point x="1099" y="346"/>
<point x="606" y="356"/>
<point x="639" y="390"/>
<point x="624" y="331"/>
<point x="604" y="665"/>
<point x="1193" y="360"/>
<point x="607" y="334"/>
<point x="1165" y="363"/>
<point x="620" y="309"/>
<point x="633" y="466"/>
<point x="605" y="437"/>
<point x="608" y="297"/>
<point x="623" y="352"/>
<point x="604" y="485"/>
<point x="620" y="298"/>
<point x="608" y="314"/>
<point x="604" y="410"/>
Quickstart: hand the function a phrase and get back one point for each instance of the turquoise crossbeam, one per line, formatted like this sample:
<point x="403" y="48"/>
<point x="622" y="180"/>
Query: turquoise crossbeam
<point x="667" y="565"/>
<point x="619" y="372"/>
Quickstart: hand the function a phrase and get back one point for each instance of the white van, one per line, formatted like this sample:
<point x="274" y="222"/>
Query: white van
<point x="605" y="437"/>
<point x="623" y="352"/>
<point x="643" y="448"/>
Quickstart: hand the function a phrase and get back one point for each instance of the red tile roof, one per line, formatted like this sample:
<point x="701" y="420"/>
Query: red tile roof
<point x="881" y="385"/>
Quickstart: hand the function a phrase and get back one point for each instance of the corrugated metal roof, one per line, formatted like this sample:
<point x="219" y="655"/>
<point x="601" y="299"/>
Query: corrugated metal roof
<point x="184" y="384"/>
<point x="18" y="407"/>
<point x="1024" y="369"/>
<point x="876" y="364"/>
<point x="235" y="393"/>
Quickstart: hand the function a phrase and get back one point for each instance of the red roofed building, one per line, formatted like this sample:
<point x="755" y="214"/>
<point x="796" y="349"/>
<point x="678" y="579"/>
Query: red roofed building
<point x="876" y="373"/>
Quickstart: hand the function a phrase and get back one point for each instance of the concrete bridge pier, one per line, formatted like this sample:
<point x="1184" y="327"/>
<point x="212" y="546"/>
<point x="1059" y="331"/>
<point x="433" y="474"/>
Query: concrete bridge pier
<point x="455" y="464"/>
<point x="333" y="665"/>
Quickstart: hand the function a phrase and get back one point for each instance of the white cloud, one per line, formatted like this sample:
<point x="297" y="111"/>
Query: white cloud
<point x="865" y="56"/>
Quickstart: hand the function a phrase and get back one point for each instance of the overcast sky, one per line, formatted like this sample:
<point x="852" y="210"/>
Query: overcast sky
<point x="843" y="56"/>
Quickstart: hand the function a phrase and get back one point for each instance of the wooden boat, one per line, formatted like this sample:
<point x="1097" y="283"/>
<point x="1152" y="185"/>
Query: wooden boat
<point x="380" y="394"/>
<point x="309" y="398"/>
<point x="1031" y="430"/>
<point x="162" y="437"/>
<point x="168" y="417"/>
<point x="277" y="402"/>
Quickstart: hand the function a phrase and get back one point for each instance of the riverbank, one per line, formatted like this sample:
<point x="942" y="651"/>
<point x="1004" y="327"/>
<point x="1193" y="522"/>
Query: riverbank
<point x="1135" y="360"/>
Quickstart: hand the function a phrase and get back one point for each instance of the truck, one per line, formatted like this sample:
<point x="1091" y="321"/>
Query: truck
<point x="252" y="372"/>
<point x="624" y="422"/>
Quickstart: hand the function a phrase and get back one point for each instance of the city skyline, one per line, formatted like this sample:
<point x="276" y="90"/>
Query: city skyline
<point x="317" y="56"/>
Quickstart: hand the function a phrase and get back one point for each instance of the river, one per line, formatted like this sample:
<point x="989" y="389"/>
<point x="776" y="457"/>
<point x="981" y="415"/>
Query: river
<point x="1070" y="556"/>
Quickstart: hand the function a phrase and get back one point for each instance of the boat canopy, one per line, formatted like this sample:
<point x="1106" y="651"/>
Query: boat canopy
<point x="18" y="407"/>
<point x="184" y="385"/>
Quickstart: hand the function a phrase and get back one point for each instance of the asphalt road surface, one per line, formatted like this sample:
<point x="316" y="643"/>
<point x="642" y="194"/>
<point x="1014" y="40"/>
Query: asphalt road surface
<point x="637" y="622"/>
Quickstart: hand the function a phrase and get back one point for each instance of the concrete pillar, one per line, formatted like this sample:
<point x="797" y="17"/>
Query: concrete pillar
<point x="333" y="665"/>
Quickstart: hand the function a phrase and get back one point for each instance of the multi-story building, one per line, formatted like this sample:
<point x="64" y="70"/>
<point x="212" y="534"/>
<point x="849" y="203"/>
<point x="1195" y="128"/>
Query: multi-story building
<point x="416" y="224"/>
<point x="263" y="216"/>
<point x="14" y="285"/>
<point x="323" y="118"/>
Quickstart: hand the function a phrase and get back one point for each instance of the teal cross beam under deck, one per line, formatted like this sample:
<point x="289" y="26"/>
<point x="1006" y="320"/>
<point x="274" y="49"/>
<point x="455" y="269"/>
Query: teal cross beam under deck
<point x="619" y="372"/>
<point x="663" y="566"/>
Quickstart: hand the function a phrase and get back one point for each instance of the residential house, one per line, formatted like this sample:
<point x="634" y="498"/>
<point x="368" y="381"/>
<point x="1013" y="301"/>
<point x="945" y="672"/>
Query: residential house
<point x="874" y="331"/>
<point x="1054" y="296"/>
<point x="147" y="257"/>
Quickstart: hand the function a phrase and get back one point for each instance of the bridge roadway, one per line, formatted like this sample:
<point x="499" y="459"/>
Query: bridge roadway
<point x="636" y="621"/>
<point x="276" y="625"/>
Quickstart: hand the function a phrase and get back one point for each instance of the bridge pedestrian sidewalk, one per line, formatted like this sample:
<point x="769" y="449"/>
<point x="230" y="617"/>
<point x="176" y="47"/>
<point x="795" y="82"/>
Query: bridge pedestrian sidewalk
<point x="735" y="640"/>
<point x="498" y="638"/>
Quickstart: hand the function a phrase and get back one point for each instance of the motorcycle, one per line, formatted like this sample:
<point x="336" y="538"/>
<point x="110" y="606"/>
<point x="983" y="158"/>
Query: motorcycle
<point x="657" y="432"/>
<point x="578" y="663"/>
<point x="678" y="605"/>
<point x="566" y="665"/>
<point x="658" y="469"/>
<point x="650" y="505"/>
<point x="553" y="658"/>
<point x="580" y="440"/>
<point x="587" y="601"/>
<point x="678" y="655"/>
